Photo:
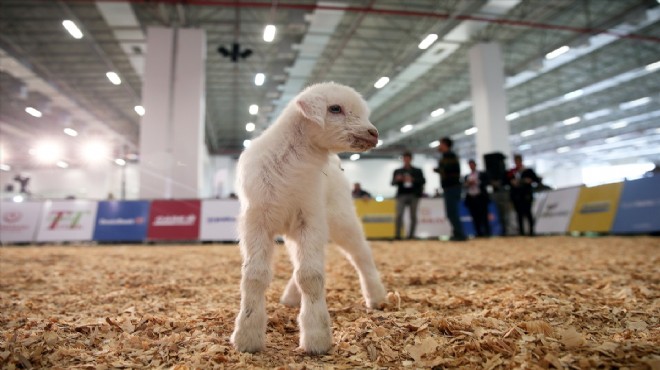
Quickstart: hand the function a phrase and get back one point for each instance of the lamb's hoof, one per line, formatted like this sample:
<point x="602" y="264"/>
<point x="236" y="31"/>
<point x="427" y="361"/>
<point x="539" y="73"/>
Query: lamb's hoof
<point x="317" y="342"/>
<point x="248" y="342"/>
<point x="378" y="300"/>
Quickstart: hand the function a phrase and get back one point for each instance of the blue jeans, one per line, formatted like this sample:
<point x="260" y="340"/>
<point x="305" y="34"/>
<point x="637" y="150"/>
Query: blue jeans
<point x="452" y="200"/>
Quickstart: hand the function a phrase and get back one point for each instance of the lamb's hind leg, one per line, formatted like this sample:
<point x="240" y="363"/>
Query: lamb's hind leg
<point x="346" y="231"/>
<point x="291" y="296"/>
<point x="257" y="250"/>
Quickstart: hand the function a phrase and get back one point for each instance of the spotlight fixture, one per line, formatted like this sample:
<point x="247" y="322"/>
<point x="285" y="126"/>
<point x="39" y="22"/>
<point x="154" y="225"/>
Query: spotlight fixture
<point x="235" y="54"/>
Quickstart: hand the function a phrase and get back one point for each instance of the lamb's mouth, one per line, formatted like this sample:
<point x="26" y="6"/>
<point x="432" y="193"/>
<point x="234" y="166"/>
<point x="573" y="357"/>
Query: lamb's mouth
<point x="364" y="143"/>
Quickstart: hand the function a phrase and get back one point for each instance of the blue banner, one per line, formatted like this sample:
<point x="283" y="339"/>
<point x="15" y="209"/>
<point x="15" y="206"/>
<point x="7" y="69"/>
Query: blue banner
<point x="122" y="221"/>
<point x="639" y="207"/>
<point x="468" y="226"/>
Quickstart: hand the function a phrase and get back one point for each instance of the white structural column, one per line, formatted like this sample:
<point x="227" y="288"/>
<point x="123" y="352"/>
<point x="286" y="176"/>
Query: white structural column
<point x="172" y="145"/>
<point x="489" y="104"/>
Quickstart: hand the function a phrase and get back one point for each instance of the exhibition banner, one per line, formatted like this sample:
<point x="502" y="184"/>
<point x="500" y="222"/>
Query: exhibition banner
<point x="431" y="219"/>
<point x="174" y="220"/>
<point x="67" y="220"/>
<point x="468" y="225"/>
<point x="18" y="221"/>
<point x="377" y="217"/>
<point x="122" y="221"/>
<point x="555" y="214"/>
<point x="219" y="219"/>
<point x="639" y="207"/>
<point x="539" y="201"/>
<point x="595" y="208"/>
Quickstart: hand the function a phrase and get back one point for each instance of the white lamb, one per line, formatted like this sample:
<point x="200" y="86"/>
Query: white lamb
<point x="290" y="183"/>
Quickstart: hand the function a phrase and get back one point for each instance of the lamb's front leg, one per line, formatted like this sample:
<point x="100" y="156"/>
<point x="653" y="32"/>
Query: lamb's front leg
<point x="250" y="330"/>
<point x="314" y="321"/>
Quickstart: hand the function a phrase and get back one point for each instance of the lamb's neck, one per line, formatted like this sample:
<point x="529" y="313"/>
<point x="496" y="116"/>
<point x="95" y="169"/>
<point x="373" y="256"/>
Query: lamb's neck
<point x="299" y="152"/>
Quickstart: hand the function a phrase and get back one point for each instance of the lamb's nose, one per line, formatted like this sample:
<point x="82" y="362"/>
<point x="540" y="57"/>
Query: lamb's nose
<point x="373" y="132"/>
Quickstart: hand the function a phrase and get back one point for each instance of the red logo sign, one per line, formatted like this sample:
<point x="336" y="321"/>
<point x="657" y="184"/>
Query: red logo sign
<point x="65" y="220"/>
<point x="12" y="217"/>
<point x="174" y="220"/>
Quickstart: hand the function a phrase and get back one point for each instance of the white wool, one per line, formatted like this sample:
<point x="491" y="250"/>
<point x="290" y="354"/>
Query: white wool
<point x="290" y="183"/>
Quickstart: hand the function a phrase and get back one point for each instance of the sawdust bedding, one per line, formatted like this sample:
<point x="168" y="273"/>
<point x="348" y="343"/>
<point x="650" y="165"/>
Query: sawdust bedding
<point x="555" y="302"/>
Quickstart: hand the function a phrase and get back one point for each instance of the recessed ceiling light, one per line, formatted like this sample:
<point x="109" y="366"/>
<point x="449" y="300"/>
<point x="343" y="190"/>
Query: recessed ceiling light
<point x="573" y="94"/>
<point x="5" y="167"/>
<point x="249" y="127"/>
<point x="62" y="164"/>
<point x="572" y="136"/>
<point x="438" y="112"/>
<point x="652" y="67"/>
<point x="620" y="124"/>
<point x="120" y="162"/>
<point x="73" y="29"/>
<point x="524" y="147"/>
<point x="381" y="82"/>
<point x="557" y="52"/>
<point x="611" y="140"/>
<point x="512" y="116"/>
<point x="355" y="157"/>
<point x="71" y="132"/>
<point x="572" y="120"/>
<point x="139" y="110"/>
<point x="434" y="144"/>
<point x="527" y="133"/>
<point x="254" y="109"/>
<point x="269" y="33"/>
<point x="428" y="41"/>
<point x="471" y="131"/>
<point x="634" y="103"/>
<point x="259" y="79"/>
<point x="114" y="78"/>
<point x="406" y="128"/>
<point x="563" y="149"/>
<point x="246" y="143"/>
<point x="33" y="112"/>
<point x="380" y="142"/>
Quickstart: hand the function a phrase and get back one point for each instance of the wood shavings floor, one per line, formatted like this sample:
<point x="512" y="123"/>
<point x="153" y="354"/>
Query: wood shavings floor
<point x="502" y="303"/>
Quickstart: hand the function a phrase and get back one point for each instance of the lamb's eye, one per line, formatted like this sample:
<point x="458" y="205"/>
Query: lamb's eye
<point x="334" y="109"/>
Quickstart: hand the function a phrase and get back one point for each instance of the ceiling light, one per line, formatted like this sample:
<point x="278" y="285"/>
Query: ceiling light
<point x="434" y="144"/>
<point x="617" y="125"/>
<point x="269" y="33"/>
<point x="428" y="41"/>
<point x="563" y="149"/>
<point x="259" y="79"/>
<point x="572" y="136"/>
<point x="95" y="151"/>
<point x="5" y="167"/>
<point x="254" y="109"/>
<point x="438" y="112"/>
<point x="471" y="131"/>
<point x="381" y="82"/>
<point x="114" y="78"/>
<point x="572" y="120"/>
<point x="47" y="152"/>
<point x="18" y="198"/>
<point x="406" y="128"/>
<point x="249" y="127"/>
<point x="527" y="133"/>
<point x="71" y="132"/>
<point x="355" y="157"/>
<point x="33" y="112"/>
<point x="380" y="142"/>
<point x="573" y="94"/>
<point x="652" y="67"/>
<point x="139" y="110"/>
<point x="62" y="164"/>
<point x="524" y="147"/>
<point x="597" y="114"/>
<point x="634" y="103"/>
<point x="557" y="52"/>
<point x="120" y="162"/>
<point x="512" y="116"/>
<point x="73" y="29"/>
<point x="246" y="143"/>
<point x="611" y="140"/>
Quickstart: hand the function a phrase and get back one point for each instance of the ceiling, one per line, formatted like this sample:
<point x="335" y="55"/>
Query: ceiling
<point x="613" y="45"/>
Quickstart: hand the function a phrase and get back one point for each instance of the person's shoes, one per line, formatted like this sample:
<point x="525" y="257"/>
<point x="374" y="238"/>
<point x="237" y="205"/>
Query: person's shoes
<point x="457" y="239"/>
<point x="397" y="238"/>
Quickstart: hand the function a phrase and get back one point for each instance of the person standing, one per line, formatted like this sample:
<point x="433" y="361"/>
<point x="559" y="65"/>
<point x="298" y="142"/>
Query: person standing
<point x="450" y="180"/>
<point x="410" y="182"/>
<point x="477" y="199"/>
<point x="522" y="181"/>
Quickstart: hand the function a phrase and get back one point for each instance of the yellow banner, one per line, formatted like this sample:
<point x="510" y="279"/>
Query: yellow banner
<point x="377" y="217"/>
<point x="596" y="208"/>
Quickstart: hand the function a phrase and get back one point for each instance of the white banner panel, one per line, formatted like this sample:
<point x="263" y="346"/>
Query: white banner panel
<point x="432" y="221"/>
<point x="218" y="221"/>
<point x="67" y="220"/>
<point x="557" y="210"/>
<point x="18" y="221"/>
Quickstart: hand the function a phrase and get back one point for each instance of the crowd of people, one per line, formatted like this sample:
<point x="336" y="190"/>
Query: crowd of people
<point x="515" y="189"/>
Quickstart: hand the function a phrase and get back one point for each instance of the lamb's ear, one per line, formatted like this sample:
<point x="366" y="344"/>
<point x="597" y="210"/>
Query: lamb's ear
<point x="312" y="106"/>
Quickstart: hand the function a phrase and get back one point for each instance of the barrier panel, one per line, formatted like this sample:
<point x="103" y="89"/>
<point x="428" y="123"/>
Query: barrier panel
<point x="639" y="207"/>
<point x="431" y="219"/>
<point x="67" y="220"/>
<point x="595" y="208"/>
<point x="468" y="226"/>
<point x="377" y="217"/>
<point x="556" y="211"/>
<point x="18" y="221"/>
<point x="219" y="220"/>
<point x="122" y="221"/>
<point x="174" y="220"/>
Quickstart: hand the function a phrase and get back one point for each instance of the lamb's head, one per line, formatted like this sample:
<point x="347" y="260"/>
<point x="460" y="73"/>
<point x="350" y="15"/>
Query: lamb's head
<point x="338" y="118"/>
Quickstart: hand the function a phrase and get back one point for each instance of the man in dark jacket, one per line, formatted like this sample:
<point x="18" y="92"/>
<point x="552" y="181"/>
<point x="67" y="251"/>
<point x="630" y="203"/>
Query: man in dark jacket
<point x="450" y="178"/>
<point x="410" y="182"/>
<point x="477" y="199"/>
<point x="522" y="181"/>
